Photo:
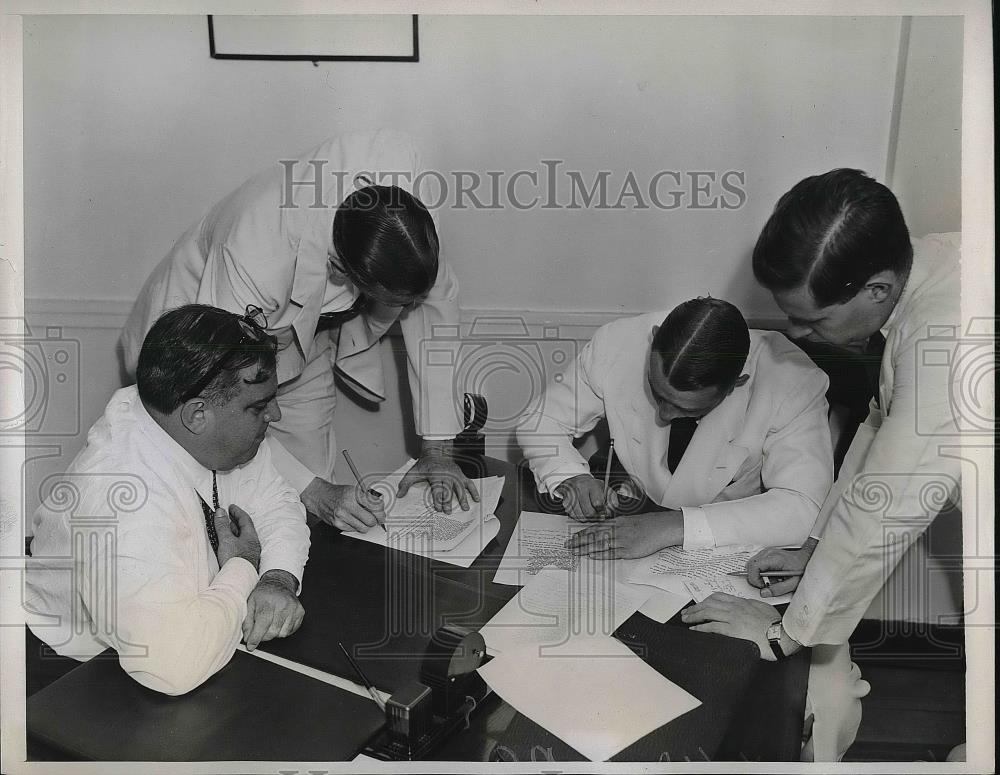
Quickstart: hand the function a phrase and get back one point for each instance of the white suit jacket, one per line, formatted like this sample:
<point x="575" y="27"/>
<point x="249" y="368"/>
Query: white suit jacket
<point x="249" y="249"/>
<point x="758" y="466"/>
<point x="904" y="465"/>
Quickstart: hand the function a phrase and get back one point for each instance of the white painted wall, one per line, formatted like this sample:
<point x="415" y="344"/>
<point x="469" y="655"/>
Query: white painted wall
<point x="132" y="132"/>
<point x="928" y="160"/>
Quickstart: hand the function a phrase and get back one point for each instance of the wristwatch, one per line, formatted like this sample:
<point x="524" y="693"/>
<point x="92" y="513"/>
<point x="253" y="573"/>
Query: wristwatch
<point x="773" y="635"/>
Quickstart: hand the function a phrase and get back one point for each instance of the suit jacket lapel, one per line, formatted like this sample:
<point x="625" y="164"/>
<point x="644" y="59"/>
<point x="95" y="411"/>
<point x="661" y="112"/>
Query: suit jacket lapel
<point x="711" y="459"/>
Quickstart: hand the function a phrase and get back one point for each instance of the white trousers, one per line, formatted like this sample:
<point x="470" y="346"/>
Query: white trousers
<point x="833" y="701"/>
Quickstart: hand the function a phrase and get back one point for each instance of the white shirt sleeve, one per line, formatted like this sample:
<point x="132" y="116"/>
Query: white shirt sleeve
<point x="569" y="408"/>
<point x="697" y="530"/>
<point x="290" y="468"/>
<point x="278" y="516"/>
<point x="907" y="477"/>
<point x="141" y="592"/>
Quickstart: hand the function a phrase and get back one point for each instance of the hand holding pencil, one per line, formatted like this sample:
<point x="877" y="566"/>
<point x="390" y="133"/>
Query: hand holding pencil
<point x="372" y="496"/>
<point x="776" y="571"/>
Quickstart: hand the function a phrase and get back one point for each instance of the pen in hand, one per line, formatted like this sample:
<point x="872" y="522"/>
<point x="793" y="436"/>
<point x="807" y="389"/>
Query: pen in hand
<point x="371" y="492"/>
<point x="607" y="477"/>
<point x="766" y="577"/>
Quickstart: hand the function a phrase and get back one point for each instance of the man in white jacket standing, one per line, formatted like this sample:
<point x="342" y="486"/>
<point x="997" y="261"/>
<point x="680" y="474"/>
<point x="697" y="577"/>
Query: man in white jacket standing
<point x="171" y="536"/>
<point x="334" y="246"/>
<point x="725" y="428"/>
<point x="837" y="256"/>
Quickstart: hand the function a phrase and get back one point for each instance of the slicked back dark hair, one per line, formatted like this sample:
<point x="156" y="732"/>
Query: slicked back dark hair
<point x="387" y="242"/>
<point x="832" y="233"/>
<point x="704" y="343"/>
<point x="187" y="344"/>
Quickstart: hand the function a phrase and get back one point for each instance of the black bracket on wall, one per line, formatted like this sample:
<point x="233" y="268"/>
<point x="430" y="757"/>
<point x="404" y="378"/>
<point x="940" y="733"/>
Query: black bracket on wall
<point x="414" y="57"/>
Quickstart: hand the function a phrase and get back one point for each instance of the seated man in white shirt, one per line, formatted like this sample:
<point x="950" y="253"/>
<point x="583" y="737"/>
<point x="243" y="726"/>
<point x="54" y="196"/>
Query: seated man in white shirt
<point x="128" y="553"/>
<point x="724" y="428"/>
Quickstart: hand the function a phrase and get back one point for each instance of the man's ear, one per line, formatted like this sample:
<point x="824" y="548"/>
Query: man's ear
<point x="196" y="415"/>
<point x="880" y="286"/>
<point x="742" y="380"/>
<point x="655" y="329"/>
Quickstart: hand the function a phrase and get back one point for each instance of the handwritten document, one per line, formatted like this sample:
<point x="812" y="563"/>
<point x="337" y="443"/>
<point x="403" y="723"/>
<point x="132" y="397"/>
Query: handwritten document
<point x="413" y="525"/>
<point x="700" y="572"/>
<point x="538" y="542"/>
<point x="593" y="693"/>
<point x="556" y="606"/>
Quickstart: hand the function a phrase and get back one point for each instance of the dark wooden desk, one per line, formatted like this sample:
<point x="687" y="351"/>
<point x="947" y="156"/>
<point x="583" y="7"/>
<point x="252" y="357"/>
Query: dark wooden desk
<point x="385" y="605"/>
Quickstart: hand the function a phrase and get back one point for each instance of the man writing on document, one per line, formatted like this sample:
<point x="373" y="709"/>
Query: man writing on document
<point x="836" y="254"/>
<point x="724" y="428"/>
<point x="206" y="542"/>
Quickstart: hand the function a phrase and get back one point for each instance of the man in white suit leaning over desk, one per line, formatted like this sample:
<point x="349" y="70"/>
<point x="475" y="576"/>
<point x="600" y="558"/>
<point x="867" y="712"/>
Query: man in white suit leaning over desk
<point x="334" y="246"/>
<point x="724" y="427"/>
<point x="837" y="256"/>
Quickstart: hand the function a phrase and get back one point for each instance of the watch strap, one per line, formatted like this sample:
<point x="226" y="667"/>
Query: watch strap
<point x="775" y="643"/>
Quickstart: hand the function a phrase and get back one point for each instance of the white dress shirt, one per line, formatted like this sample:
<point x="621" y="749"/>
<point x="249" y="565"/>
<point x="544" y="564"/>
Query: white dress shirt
<point x="121" y="556"/>
<point x="757" y="468"/>
<point x="899" y="472"/>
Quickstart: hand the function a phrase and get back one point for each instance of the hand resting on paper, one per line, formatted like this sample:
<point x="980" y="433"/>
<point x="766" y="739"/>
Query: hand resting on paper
<point x="345" y="506"/>
<point x="447" y="482"/>
<point x="629" y="536"/>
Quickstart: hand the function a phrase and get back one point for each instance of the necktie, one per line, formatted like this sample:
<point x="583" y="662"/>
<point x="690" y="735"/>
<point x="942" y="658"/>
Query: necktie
<point x="213" y="537"/>
<point x="328" y="320"/>
<point x="681" y="431"/>
<point x="873" y="362"/>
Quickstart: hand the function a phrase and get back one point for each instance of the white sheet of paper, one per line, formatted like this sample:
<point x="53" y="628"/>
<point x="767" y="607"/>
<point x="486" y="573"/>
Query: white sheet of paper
<point x="699" y="589"/>
<point x="414" y="526"/>
<point x="663" y="605"/>
<point x="556" y="606"/>
<point x="538" y="542"/>
<point x="593" y="693"/>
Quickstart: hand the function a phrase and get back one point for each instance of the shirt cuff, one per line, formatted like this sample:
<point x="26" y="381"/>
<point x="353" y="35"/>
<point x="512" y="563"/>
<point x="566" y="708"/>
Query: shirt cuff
<point x="287" y="567"/>
<point x="805" y="612"/>
<point x="552" y="481"/>
<point x="296" y="576"/>
<point x="697" y="532"/>
<point x="237" y="576"/>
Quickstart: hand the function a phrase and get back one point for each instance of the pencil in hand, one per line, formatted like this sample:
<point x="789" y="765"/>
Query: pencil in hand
<point x="774" y="574"/>
<point x="371" y="492"/>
